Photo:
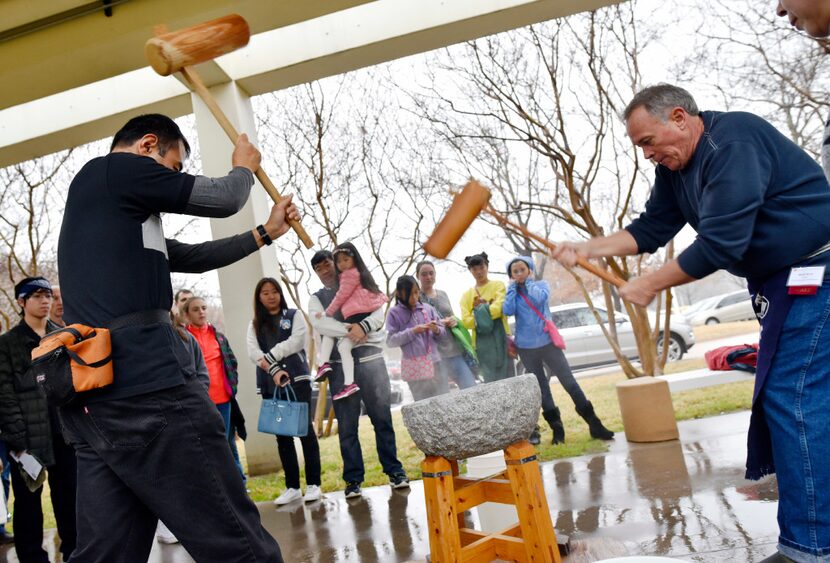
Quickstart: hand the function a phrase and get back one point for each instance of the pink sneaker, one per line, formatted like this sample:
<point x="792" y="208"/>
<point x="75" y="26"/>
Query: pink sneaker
<point x="347" y="391"/>
<point x="322" y="372"/>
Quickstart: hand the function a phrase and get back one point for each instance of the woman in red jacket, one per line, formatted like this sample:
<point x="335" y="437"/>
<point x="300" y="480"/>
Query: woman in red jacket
<point x="219" y="358"/>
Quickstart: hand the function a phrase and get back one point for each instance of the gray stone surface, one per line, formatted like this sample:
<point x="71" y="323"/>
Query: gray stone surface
<point x="476" y="421"/>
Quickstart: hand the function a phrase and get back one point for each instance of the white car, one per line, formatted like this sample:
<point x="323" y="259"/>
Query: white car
<point x="734" y="306"/>
<point x="586" y="344"/>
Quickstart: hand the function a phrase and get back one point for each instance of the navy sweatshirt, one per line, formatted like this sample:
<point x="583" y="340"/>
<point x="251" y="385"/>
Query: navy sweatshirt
<point x="758" y="202"/>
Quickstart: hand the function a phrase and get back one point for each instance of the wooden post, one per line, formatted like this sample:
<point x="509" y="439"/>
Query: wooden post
<point x="320" y="411"/>
<point x="647" y="410"/>
<point x="531" y="503"/>
<point x="439" y="492"/>
<point x="330" y="421"/>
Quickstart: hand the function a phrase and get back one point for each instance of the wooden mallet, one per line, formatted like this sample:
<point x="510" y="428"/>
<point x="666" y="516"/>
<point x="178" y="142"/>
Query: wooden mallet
<point x="178" y="51"/>
<point x="466" y="206"/>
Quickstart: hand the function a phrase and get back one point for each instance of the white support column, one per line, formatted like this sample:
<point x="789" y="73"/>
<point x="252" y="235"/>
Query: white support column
<point x="237" y="281"/>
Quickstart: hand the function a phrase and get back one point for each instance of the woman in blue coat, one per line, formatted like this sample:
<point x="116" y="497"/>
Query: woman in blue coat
<point x="527" y="300"/>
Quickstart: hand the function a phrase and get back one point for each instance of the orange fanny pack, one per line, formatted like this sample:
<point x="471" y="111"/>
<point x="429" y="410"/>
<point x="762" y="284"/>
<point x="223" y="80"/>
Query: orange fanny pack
<point x="72" y="360"/>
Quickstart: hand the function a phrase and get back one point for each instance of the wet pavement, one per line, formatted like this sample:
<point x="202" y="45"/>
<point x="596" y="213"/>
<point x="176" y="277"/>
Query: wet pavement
<point x="685" y="499"/>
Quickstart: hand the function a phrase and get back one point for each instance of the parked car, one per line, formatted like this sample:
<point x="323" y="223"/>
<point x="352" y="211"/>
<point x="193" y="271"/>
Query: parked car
<point x="394" y="369"/>
<point x="397" y="391"/>
<point x="734" y="306"/>
<point x="587" y="346"/>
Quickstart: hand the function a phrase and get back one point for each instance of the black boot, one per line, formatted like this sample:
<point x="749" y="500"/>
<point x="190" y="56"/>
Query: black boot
<point x="594" y="423"/>
<point x="535" y="438"/>
<point x="555" y="420"/>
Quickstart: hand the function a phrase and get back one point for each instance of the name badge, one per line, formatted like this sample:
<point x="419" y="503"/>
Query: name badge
<point x="805" y="281"/>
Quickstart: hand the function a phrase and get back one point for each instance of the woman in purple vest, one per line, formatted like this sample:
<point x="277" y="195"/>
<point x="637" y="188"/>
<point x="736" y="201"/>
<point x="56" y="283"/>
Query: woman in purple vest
<point x="276" y="342"/>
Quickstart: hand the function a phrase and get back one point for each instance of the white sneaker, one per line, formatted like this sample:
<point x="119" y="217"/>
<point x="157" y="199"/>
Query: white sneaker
<point x="164" y="535"/>
<point x="287" y="496"/>
<point x="312" y="493"/>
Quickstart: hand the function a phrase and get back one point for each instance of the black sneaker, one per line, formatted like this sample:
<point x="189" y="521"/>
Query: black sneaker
<point x="6" y="538"/>
<point x="399" y="481"/>
<point x="353" y="490"/>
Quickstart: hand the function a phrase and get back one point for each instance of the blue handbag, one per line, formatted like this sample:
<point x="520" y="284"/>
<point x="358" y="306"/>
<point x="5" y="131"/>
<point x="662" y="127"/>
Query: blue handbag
<point x="284" y="417"/>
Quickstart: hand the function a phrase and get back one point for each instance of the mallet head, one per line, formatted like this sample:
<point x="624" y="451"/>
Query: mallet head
<point x="465" y="207"/>
<point x="170" y="52"/>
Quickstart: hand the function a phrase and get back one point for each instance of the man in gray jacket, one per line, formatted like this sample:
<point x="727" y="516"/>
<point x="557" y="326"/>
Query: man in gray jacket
<point x="152" y="445"/>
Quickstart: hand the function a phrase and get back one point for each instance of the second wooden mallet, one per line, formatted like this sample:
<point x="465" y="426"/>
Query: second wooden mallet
<point x="178" y="51"/>
<point x="466" y="206"/>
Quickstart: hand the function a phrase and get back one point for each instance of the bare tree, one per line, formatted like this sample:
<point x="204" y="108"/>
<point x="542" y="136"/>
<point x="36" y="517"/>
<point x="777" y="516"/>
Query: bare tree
<point x="31" y="195"/>
<point x="345" y="156"/>
<point x="535" y="113"/>
<point x="755" y="60"/>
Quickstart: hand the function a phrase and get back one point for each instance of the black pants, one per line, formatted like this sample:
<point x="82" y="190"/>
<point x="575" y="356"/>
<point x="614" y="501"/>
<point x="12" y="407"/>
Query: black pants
<point x="311" y="449"/>
<point x="161" y="455"/>
<point x="535" y="360"/>
<point x="28" y="514"/>
<point x="373" y="379"/>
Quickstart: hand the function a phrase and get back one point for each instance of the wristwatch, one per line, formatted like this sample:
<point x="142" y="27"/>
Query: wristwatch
<point x="263" y="234"/>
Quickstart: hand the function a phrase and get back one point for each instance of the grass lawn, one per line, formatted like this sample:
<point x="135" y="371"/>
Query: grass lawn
<point x="696" y="403"/>
<point x="600" y="390"/>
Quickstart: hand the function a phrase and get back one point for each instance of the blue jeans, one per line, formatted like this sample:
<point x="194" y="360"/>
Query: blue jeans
<point x="225" y="411"/>
<point x="795" y="400"/>
<point x="373" y="380"/>
<point x="161" y="455"/>
<point x="456" y="368"/>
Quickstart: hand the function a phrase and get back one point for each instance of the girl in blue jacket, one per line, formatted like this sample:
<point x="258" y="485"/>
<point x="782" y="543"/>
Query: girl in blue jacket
<point x="527" y="300"/>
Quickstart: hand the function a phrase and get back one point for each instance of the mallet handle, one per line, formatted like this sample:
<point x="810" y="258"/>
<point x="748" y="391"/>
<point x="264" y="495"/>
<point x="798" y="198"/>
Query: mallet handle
<point x="195" y="82"/>
<point x="582" y="262"/>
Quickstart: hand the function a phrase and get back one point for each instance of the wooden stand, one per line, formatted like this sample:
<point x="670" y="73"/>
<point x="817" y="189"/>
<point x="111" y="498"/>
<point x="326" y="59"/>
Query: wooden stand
<point x="448" y="496"/>
<point x="647" y="410"/>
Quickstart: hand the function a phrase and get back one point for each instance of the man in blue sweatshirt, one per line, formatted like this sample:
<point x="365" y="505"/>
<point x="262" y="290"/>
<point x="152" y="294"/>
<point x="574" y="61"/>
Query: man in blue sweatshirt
<point x="761" y="209"/>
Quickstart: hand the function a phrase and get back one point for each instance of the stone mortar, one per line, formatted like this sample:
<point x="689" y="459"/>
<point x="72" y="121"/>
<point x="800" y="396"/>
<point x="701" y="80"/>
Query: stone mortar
<point x="476" y="421"/>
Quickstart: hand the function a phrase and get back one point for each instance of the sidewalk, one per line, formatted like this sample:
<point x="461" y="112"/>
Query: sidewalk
<point x="685" y="499"/>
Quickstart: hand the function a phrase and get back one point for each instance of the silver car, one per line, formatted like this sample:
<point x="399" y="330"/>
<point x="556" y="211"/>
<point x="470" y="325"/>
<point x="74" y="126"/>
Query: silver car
<point x="587" y="345"/>
<point x="734" y="306"/>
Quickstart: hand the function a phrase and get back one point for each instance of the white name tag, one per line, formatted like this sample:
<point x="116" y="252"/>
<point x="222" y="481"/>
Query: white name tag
<point x="807" y="276"/>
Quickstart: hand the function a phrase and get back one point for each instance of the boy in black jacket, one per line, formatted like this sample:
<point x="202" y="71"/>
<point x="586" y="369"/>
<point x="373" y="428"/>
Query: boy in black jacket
<point x="29" y="425"/>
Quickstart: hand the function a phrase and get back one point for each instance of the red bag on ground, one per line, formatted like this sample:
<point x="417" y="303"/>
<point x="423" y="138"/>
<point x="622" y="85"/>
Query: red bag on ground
<point x="742" y="357"/>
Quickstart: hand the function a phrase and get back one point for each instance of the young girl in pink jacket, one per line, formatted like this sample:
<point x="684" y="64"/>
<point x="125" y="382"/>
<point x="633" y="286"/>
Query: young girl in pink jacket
<point x="357" y="297"/>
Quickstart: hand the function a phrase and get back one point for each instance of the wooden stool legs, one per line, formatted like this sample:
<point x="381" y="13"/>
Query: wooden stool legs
<point x="439" y="491"/>
<point x="531" y="503"/>
<point x="448" y="496"/>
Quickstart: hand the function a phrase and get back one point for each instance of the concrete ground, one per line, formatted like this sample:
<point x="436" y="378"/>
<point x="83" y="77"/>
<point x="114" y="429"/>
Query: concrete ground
<point x="685" y="499"/>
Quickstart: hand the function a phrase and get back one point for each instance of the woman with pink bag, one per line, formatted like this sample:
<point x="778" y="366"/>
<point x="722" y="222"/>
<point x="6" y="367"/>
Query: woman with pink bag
<point x="416" y="327"/>
<point x="540" y="344"/>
